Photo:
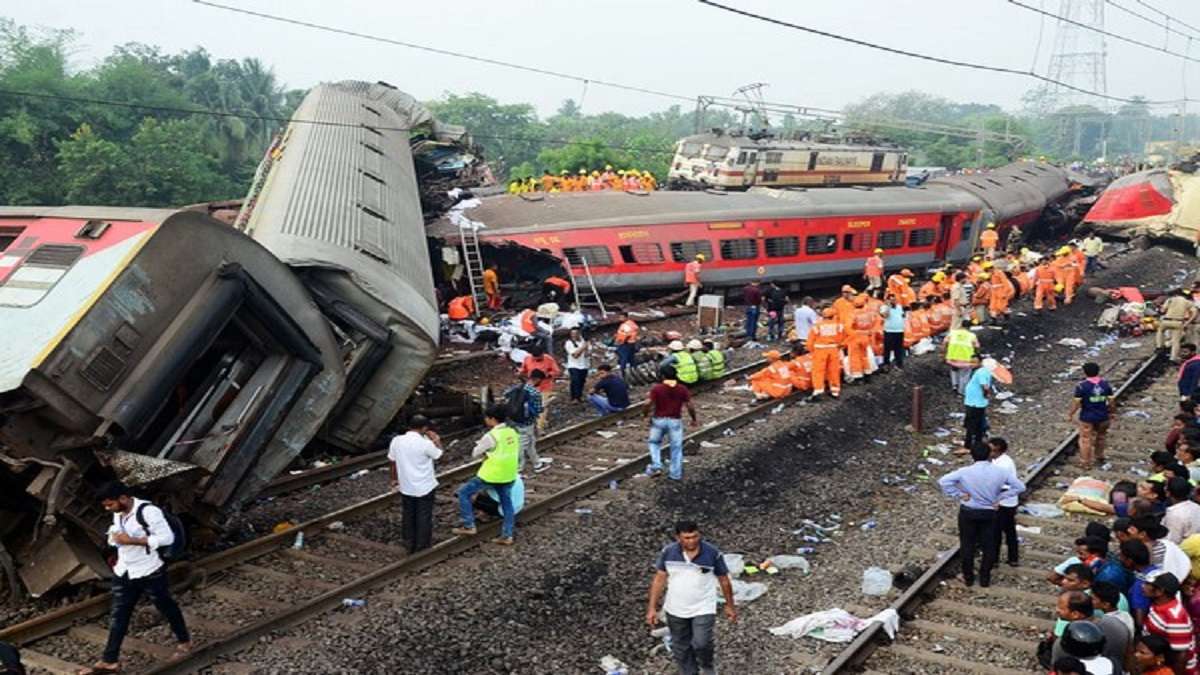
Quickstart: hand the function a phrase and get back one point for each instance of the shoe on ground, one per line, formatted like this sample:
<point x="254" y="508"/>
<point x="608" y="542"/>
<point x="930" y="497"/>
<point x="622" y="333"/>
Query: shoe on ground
<point x="836" y="394"/>
<point x="464" y="531"/>
<point x="503" y="541"/>
<point x="541" y="466"/>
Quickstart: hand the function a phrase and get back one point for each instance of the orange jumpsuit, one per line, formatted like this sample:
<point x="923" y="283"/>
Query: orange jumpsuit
<point x="875" y="304"/>
<point x="916" y="327"/>
<point x="907" y="296"/>
<point x="873" y="271"/>
<point x="547" y="183"/>
<point x="929" y="290"/>
<point x="1024" y="283"/>
<point x="491" y="288"/>
<point x="940" y="316"/>
<point x="988" y="239"/>
<point x="1002" y="294"/>
<point x="825" y="342"/>
<point x="863" y="325"/>
<point x="896" y="286"/>
<point x="844" y="309"/>
<point x="1080" y="263"/>
<point x="1044" y="279"/>
<point x="980" y="301"/>
<point x="1066" y="274"/>
<point x="802" y="372"/>
<point x="627" y="332"/>
<point x="461" y="308"/>
<point x="774" y="381"/>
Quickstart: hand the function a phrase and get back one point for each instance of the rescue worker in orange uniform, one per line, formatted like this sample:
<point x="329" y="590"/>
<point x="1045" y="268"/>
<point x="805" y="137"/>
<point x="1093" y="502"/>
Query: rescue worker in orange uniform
<point x="843" y="307"/>
<point x="916" y="325"/>
<point x="874" y="305"/>
<point x="691" y="278"/>
<point x="863" y="325"/>
<point x="981" y="298"/>
<point x="1045" y="282"/>
<point x="555" y="288"/>
<point x="989" y="239"/>
<point x="461" y="308"/>
<point x="491" y="287"/>
<point x="802" y="367"/>
<point x="1002" y="295"/>
<point x="873" y="271"/>
<point x="899" y="285"/>
<point x="774" y="381"/>
<point x="626" y="342"/>
<point x="975" y="266"/>
<point x="1080" y="262"/>
<point x="941" y="314"/>
<point x="931" y="289"/>
<point x="1067" y="273"/>
<point x="825" y="342"/>
<point x="527" y="320"/>
<point x="548" y="181"/>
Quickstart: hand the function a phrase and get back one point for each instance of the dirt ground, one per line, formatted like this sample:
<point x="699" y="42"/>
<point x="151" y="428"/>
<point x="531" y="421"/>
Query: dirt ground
<point x="572" y="592"/>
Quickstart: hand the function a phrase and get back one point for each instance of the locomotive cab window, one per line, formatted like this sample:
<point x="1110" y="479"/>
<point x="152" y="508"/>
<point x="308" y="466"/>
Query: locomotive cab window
<point x="816" y="244"/>
<point x="782" y="247"/>
<point x="773" y="158"/>
<point x="890" y="239"/>
<point x="40" y="272"/>
<point x="922" y="237"/>
<point x="739" y="249"/>
<point x="641" y="253"/>
<point x="593" y="255"/>
<point x="8" y="236"/>
<point x="686" y="251"/>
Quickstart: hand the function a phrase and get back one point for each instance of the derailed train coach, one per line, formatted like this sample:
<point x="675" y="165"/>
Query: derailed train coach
<point x="338" y="202"/>
<point x="162" y="348"/>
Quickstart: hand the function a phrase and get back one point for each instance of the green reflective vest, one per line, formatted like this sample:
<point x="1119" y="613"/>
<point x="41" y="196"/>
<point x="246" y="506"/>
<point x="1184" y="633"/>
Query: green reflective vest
<point x="500" y="464"/>
<point x="717" y="358"/>
<point x="685" y="368"/>
<point x="703" y="365"/>
<point x="960" y="345"/>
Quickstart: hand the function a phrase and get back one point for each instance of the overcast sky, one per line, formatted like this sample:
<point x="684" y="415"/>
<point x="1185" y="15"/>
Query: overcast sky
<point x="670" y="45"/>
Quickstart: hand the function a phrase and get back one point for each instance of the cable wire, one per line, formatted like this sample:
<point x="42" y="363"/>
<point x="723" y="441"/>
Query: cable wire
<point x="1166" y="16"/>
<point x="1101" y="31"/>
<point x="1150" y="21"/>
<point x="444" y="52"/>
<point x="928" y="57"/>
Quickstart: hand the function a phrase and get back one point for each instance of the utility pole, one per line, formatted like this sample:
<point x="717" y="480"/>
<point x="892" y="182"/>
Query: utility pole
<point x="1079" y="60"/>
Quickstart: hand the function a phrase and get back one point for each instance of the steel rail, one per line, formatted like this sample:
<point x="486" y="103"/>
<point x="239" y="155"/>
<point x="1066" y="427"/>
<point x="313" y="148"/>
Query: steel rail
<point x="869" y="639"/>
<point x="63" y="618"/>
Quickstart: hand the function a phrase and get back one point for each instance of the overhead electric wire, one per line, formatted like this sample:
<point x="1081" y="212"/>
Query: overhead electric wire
<point x="444" y="52"/>
<point x="1153" y="22"/>
<point x="294" y="120"/>
<point x="1101" y="31"/>
<point x="1168" y="17"/>
<point x="928" y="57"/>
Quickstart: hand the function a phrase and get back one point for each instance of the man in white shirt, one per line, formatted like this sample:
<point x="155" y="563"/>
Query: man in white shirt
<point x="1182" y="519"/>
<point x="1006" y="514"/>
<point x="139" y="529"/>
<point x="578" y="362"/>
<point x="804" y="317"/>
<point x="412" y="455"/>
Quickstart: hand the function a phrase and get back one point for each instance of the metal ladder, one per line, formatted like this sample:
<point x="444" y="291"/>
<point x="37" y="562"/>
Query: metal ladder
<point x="586" y="295"/>
<point x="473" y="259"/>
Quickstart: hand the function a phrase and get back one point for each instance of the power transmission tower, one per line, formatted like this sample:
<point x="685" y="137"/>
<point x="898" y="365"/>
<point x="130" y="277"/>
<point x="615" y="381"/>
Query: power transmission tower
<point x="1079" y="61"/>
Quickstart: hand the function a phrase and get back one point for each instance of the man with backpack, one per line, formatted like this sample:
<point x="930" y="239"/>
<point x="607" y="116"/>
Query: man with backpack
<point x="522" y="407"/>
<point x="142" y="534"/>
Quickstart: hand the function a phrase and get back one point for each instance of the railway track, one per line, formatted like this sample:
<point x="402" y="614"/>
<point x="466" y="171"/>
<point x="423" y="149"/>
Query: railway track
<point x="948" y="628"/>
<point x="235" y="597"/>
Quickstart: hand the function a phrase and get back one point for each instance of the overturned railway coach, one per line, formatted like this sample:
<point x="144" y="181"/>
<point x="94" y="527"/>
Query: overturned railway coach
<point x="635" y="241"/>
<point x="162" y="348"/>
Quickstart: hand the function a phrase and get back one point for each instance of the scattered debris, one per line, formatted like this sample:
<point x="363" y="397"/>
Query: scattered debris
<point x="1073" y="342"/>
<point x="336" y="526"/>
<point x="876" y="581"/>
<point x="353" y="602"/>
<point x="1042" y="510"/>
<point x="606" y="434"/>
<point x="614" y="666"/>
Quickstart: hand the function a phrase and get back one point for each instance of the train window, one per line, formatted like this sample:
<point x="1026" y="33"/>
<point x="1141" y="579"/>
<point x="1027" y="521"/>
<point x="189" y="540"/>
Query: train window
<point x="816" y="244"/>
<point x="686" y="251"/>
<point x="966" y="228"/>
<point x="860" y="241"/>
<point x="42" y="270"/>
<point x="594" y="255"/>
<point x="641" y="253"/>
<point x="690" y="150"/>
<point x="812" y="161"/>
<point x="922" y="237"/>
<point x="739" y="249"/>
<point x="741" y="157"/>
<point x="774" y="158"/>
<point x="782" y="247"/>
<point x="716" y="152"/>
<point x="8" y="235"/>
<point x="890" y="239"/>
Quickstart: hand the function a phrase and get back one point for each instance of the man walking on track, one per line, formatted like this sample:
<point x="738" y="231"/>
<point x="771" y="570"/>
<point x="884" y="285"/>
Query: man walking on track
<point x="1093" y="402"/>
<point x="690" y="570"/>
<point x="873" y="271"/>
<point x="691" y="278"/>
<point x="667" y="401"/>
<point x="979" y="488"/>
<point x="413" y="454"/>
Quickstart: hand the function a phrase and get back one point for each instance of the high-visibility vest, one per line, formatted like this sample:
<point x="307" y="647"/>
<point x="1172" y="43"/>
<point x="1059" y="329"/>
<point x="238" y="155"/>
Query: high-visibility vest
<point x="685" y="368"/>
<point x="703" y="365"/>
<point x="826" y="334"/>
<point x="960" y="345"/>
<point x="716" y="357"/>
<point x="501" y="463"/>
<point x="527" y="324"/>
<point x="627" y="332"/>
<point x="873" y="266"/>
<point x="460" y="308"/>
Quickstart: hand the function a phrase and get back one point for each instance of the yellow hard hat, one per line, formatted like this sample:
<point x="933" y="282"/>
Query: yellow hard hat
<point x="939" y="276"/>
<point x="984" y="277"/>
<point x="620" y="172"/>
<point x="608" y="167"/>
<point x="987" y="264"/>
<point x="700" y="257"/>
<point x="1058" y="288"/>
<point x="563" y="172"/>
<point x="879" y="250"/>
<point x="977" y="258"/>
<point x="583" y="172"/>
<point x="646" y="174"/>
<point x="484" y="321"/>
<point x="1024" y="250"/>
<point x="1063" y="251"/>
<point x="991" y="226"/>
<point x="595" y="173"/>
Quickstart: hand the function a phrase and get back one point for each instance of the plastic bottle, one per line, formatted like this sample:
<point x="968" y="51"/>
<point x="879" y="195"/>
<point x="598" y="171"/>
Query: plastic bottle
<point x="299" y="542"/>
<point x="353" y="602"/>
<point x="806" y="550"/>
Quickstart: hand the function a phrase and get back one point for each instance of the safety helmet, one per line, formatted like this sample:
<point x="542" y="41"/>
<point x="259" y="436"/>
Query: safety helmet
<point x="771" y="355"/>
<point x="1083" y="639"/>
<point x="906" y="272"/>
<point x="673" y="335"/>
<point x="595" y="173"/>
<point x="583" y="172"/>
<point x="608" y="167"/>
<point x="984" y="276"/>
<point x="1024" y="250"/>
<point x="563" y="172"/>
<point x="939" y="276"/>
<point x="695" y="344"/>
<point x="1058" y="288"/>
<point x="484" y="321"/>
<point x="987" y="264"/>
<point x="879" y="250"/>
<point x="977" y="258"/>
<point x="700" y="257"/>
<point x="847" y="288"/>
<point x="1063" y="251"/>
<point x="991" y="226"/>
<point x="675" y="346"/>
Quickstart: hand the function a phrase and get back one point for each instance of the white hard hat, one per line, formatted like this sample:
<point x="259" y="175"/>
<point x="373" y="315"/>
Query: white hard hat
<point x="695" y="344"/>
<point x="675" y="346"/>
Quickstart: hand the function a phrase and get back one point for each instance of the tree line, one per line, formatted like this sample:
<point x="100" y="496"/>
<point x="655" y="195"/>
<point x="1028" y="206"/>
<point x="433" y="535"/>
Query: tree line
<point x="66" y="147"/>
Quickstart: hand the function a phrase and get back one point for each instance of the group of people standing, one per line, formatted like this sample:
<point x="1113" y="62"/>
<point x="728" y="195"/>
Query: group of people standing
<point x="627" y="180"/>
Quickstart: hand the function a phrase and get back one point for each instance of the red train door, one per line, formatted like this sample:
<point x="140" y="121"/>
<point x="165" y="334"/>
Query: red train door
<point x="943" y="241"/>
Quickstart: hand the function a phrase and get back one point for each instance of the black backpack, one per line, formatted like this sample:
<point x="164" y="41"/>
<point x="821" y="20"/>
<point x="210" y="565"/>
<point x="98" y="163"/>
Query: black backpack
<point x="177" y="549"/>
<point x="516" y="405"/>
